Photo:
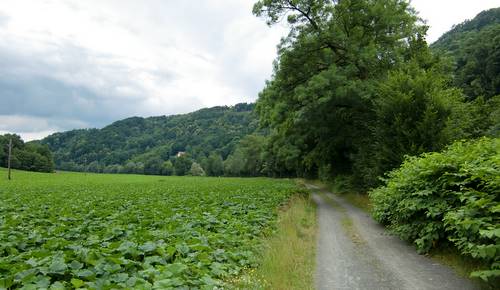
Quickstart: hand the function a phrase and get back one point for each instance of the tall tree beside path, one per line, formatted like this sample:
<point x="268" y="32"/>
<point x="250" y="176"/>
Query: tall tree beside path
<point x="331" y="76"/>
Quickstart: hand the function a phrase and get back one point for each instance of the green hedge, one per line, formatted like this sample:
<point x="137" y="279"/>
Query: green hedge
<point x="449" y="197"/>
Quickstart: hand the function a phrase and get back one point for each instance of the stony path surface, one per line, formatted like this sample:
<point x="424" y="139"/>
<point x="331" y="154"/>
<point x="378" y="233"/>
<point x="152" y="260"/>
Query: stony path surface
<point x="354" y="252"/>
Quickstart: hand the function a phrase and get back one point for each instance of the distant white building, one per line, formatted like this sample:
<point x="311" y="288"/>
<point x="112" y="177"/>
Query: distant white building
<point x="180" y="153"/>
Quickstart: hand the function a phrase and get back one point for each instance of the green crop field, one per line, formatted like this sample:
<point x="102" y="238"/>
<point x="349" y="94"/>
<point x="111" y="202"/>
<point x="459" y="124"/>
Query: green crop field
<point x="99" y="231"/>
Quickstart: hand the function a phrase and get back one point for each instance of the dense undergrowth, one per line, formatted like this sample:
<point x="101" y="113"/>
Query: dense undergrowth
<point x="448" y="198"/>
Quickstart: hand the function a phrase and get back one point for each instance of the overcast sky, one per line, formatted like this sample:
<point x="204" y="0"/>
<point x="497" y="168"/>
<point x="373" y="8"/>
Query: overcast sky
<point x="75" y="64"/>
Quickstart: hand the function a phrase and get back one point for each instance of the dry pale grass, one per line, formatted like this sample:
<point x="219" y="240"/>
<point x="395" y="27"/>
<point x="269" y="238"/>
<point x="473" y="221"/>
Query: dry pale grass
<point x="288" y="259"/>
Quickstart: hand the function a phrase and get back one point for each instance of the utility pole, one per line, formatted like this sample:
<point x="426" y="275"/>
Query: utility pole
<point x="10" y="155"/>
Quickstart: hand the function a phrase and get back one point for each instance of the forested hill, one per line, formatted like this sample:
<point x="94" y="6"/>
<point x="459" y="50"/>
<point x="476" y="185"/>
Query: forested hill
<point x="451" y="40"/>
<point x="474" y="47"/>
<point x="147" y="142"/>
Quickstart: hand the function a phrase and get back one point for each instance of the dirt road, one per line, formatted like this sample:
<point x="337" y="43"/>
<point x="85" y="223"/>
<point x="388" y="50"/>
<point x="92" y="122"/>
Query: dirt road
<point x="354" y="252"/>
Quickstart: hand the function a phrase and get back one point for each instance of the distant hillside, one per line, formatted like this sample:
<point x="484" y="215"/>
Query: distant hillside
<point x="450" y="40"/>
<point x="138" y="141"/>
<point x="474" y="46"/>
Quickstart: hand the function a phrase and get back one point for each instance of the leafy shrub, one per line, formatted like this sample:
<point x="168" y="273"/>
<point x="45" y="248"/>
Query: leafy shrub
<point x="196" y="170"/>
<point x="449" y="197"/>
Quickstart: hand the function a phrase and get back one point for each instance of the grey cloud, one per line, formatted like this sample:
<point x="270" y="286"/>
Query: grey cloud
<point x="69" y="84"/>
<point x="54" y="81"/>
<point x="21" y="123"/>
<point x="48" y="98"/>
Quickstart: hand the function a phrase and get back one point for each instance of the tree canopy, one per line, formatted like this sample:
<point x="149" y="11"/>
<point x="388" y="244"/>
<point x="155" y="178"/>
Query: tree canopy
<point x="356" y="88"/>
<point x="320" y="99"/>
<point x="30" y="156"/>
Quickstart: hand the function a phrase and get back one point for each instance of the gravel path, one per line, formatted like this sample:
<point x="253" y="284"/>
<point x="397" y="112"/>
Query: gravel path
<point x="354" y="252"/>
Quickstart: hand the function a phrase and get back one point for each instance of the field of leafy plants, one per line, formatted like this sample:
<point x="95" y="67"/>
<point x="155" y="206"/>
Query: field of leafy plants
<point x="76" y="230"/>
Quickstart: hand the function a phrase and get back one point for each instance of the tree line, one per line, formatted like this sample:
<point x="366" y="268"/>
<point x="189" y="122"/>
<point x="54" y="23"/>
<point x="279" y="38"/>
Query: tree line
<point x="247" y="159"/>
<point x="204" y="139"/>
<point x="25" y="156"/>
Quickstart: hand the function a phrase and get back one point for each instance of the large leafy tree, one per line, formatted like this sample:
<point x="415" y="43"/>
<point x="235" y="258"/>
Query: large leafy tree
<point x="182" y="165"/>
<point x="319" y="103"/>
<point x="214" y="165"/>
<point x="416" y="112"/>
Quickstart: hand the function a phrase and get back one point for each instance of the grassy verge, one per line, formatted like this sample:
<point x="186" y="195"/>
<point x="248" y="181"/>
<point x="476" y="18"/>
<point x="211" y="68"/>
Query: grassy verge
<point x="288" y="259"/>
<point x="462" y="265"/>
<point x="452" y="258"/>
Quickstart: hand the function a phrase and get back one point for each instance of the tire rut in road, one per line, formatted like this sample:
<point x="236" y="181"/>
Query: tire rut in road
<point x="344" y="261"/>
<point x="354" y="252"/>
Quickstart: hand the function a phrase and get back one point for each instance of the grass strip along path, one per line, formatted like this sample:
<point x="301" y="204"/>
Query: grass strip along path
<point x="287" y="261"/>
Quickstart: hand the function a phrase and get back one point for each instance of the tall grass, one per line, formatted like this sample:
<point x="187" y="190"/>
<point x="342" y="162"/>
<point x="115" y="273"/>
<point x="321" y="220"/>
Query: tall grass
<point x="288" y="258"/>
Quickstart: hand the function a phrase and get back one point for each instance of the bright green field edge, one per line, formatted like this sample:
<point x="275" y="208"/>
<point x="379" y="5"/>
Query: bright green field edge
<point x="68" y="230"/>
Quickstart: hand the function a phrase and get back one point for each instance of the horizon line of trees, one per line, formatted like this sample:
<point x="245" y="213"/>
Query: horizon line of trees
<point x="245" y="160"/>
<point x="143" y="145"/>
<point x="30" y="156"/>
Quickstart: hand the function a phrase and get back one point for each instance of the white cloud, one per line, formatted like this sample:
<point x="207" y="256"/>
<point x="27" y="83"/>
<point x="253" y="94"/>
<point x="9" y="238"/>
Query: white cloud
<point x="68" y="64"/>
<point x="31" y="135"/>
<point x="99" y="61"/>
<point x="32" y="128"/>
<point x="441" y="15"/>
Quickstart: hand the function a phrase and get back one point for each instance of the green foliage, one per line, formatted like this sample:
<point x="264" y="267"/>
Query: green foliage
<point x="29" y="156"/>
<point x="474" y="46"/>
<point x="131" y="167"/>
<point x="167" y="168"/>
<point x="416" y="112"/>
<point x="478" y="66"/>
<point x="182" y="165"/>
<point x="319" y="103"/>
<point x="73" y="230"/>
<point x="196" y="170"/>
<point x="153" y="166"/>
<point x="233" y="165"/>
<point x="356" y="88"/>
<point x="145" y="143"/>
<point x="449" y="197"/>
<point x="248" y="157"/>
<point x="477" y="118"/>
<point x="214" y="165"/>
